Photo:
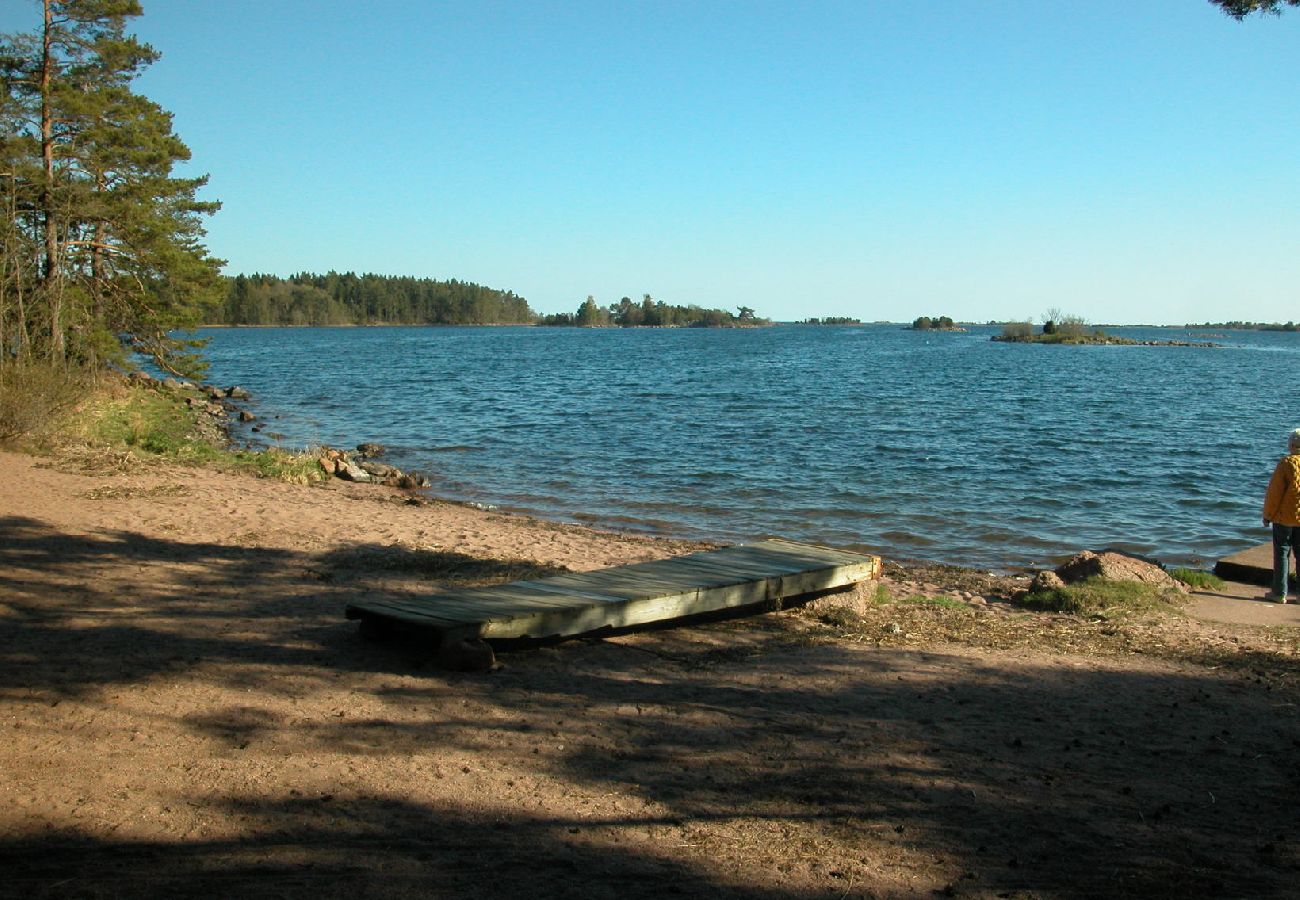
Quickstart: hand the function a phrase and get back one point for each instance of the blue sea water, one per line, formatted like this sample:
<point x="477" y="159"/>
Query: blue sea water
<point x="943" y="447"/>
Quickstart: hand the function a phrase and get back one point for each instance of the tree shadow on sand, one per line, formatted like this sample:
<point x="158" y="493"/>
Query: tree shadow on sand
<point x="731" y="759"/>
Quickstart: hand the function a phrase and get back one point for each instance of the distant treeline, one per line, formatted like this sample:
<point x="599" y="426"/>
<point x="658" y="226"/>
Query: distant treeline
<point x="1248" y="326"/>
<point x="349" y="299"/>
<point x="830" y="320"/>
<point x="627" y="313"/>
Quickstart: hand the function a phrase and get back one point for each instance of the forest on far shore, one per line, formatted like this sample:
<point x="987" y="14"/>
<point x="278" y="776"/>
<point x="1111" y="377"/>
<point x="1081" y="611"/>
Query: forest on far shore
<point x="349" y="299"/>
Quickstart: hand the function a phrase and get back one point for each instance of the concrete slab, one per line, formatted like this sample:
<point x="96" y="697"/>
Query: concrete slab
<point x="1253" y="565"/>
<point x="1237" y="603"/>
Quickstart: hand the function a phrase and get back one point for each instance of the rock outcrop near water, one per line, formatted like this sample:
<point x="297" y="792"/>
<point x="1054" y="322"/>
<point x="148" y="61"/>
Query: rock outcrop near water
<point x="1113" y="565"/>
<point x="216" y="406"/>
<point x="359" y="467"/>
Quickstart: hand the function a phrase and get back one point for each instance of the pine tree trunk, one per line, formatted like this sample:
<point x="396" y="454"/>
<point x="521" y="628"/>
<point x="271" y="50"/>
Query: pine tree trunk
<point x="50" y="272"/>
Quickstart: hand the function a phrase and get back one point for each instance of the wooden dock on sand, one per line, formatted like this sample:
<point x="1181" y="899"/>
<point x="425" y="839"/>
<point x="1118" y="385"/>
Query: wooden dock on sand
<point x="761" y="574"/>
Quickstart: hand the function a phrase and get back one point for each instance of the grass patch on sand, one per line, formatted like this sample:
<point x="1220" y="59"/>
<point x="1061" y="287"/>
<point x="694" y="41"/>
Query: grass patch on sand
<point x="1104" y="599"/>
<point x="109" y="425"/>
<point x="1197" y="578"/>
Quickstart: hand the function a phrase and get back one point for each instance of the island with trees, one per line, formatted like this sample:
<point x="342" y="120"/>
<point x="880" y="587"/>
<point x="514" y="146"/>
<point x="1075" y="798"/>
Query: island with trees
<point x="1065" y="329"/>
<point x="830" y="320"/>
<point x="651" y="313"/>
<point x="938" y="323"/>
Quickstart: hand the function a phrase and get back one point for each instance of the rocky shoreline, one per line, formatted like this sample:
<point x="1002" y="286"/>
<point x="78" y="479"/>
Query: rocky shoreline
<point x="218" y="406"/>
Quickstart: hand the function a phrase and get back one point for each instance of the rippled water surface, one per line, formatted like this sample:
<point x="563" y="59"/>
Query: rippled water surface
<point x="947" y="447"/>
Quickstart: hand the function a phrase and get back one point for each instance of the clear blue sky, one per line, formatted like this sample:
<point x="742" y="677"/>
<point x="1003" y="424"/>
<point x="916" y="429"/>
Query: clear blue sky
<point x="986" y="159"/>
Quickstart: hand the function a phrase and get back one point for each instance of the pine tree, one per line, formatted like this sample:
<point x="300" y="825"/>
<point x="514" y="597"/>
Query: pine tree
<point x="111" y="241"/>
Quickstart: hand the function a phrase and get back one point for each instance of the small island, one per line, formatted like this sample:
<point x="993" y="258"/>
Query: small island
<point x="1074" y="330"/>
<point x="940" y="323"/>
<point x="651" y="313"/>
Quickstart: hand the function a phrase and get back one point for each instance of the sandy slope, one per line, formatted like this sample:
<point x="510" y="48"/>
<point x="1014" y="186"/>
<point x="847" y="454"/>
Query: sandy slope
<point x="186" y="712"/>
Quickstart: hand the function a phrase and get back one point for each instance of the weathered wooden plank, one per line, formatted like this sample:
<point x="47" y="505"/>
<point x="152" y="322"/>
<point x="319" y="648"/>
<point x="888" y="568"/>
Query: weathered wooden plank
<point x="627" y="596"/>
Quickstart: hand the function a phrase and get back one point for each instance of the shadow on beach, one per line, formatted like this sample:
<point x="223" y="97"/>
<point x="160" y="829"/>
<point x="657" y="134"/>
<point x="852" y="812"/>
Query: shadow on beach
<point x="278" y="754"/>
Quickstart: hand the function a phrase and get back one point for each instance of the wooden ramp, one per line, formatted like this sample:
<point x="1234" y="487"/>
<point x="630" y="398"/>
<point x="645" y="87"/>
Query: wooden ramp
<point x="578" y="603"/>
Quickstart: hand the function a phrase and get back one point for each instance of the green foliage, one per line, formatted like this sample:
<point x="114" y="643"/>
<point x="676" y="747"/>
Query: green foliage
<point x="349" y="299"/>
<point x="1197" y="578"/>
<point x="1104" y="599"/>
<point x="100" y="246"/>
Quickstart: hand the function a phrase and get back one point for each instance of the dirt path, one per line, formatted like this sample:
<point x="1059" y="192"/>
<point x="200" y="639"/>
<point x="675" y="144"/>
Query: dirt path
<point x="186" y="713"/>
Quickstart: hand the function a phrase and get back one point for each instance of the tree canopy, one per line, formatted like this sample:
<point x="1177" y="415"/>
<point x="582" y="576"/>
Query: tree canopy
<point x="1239" y="9"/>
<point x="101" y="247"/>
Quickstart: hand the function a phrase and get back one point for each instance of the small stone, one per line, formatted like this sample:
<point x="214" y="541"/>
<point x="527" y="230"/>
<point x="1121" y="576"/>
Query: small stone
<point x="246" y="416"/>
<point x="237" y="393"/>
<point x="367" y="450"/>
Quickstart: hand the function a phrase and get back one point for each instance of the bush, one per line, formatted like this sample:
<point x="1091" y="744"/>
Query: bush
<point x="1017" y="331"/>
<point x="35" y="396"/>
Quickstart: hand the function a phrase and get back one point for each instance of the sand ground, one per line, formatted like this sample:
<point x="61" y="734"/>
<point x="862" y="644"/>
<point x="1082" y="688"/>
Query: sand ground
<point x="186" y="712"/>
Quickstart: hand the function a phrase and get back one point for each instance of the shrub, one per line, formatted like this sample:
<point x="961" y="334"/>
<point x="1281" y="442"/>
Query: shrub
<point x="35" y="396"/>
<point x="1017" y="331"/>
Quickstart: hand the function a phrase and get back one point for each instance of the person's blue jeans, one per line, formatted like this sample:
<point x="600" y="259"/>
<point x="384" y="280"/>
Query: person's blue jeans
<point x="1286" y="538"/>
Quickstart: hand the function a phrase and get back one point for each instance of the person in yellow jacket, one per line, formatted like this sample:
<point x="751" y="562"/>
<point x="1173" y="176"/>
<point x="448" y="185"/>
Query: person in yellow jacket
<point x="1282" y="511"/>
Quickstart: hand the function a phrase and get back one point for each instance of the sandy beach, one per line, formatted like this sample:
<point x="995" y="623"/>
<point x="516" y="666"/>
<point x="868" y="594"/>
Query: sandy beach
<point x="186" y="712"/>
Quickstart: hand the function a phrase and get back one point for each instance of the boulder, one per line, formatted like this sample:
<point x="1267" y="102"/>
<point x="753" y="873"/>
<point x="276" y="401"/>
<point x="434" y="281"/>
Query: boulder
<point x="237" y="393"/>
<point x="216" y="393"/>
<point x="380" y="470"/>
<point x="1115" y="565"/>
<point x="246" y="416"/>
<point x="366" y="451"/>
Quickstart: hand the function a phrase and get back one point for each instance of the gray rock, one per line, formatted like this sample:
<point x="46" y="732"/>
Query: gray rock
<point x="380" y="470"/>
<point x="246" y="416"/>
<point x="237" y="393"/>
<point x="350" y="471"/>
<point x="366" y="451"/>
